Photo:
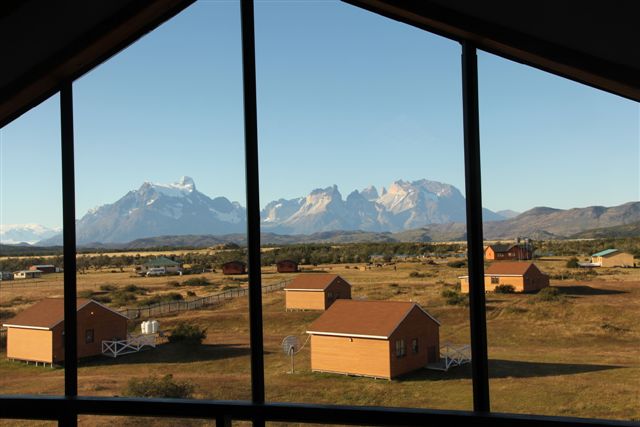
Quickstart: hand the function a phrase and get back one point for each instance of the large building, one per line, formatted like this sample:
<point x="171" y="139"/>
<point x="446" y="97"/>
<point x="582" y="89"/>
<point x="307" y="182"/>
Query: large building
<point x="504" y="252"/>
<point x="612" y="258"/>
<point x="315" y="291"/>
<point x="45" y="268"/>
<point x="523" y="276"/>
<point x="36" y="334"/>
<point x="381" y="339"/>
<point x="160" y="264"/>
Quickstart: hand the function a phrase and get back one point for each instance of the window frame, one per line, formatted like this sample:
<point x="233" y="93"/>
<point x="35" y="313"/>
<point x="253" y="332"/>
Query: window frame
<point x="66" y="408"/>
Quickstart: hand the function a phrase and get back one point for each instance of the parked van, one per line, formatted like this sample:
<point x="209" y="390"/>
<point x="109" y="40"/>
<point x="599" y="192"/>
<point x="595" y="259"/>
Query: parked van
<point x="156" y="271"/>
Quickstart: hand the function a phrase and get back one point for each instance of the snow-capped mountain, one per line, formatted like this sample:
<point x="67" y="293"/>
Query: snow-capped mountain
<point x="11" y="234"/>
<point x="405" y="205"/>
<point x="161" y="209"/>
<point x="180" y="209"/>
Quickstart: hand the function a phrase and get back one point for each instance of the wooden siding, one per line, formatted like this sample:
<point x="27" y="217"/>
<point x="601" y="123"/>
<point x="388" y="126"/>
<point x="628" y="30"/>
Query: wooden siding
<point x="338" y="289"/>
<point x="417" y="325"/>
<point x="532" y="281"/>
<point x="304" y="300"/>
<point x="620" y="259"/>
<point x="287" y="266"/>
<point x="29" y="344"/>
<point x="106" y="325"/>
<point x="356" y="356"/>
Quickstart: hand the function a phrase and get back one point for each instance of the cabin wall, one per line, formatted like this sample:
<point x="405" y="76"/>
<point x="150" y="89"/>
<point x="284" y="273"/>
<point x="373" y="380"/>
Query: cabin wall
<point x="416" y="326"/>
<point x="356" y="356"/>
<point x="304" y="300"/>
<point x="30" y="344"/>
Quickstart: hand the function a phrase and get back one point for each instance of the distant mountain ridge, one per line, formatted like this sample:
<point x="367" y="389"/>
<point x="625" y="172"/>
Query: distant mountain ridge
<point x="25" y="233"/>
<point x="424" y="210"/>
<point x="180" y="209"/>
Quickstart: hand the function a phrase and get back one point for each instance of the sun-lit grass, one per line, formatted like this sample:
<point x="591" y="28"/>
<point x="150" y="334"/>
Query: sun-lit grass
<point x="576" y="355"/>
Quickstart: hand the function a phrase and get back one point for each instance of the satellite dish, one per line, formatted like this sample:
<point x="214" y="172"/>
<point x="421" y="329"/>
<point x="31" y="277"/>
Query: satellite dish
<point x="290" y="345"/>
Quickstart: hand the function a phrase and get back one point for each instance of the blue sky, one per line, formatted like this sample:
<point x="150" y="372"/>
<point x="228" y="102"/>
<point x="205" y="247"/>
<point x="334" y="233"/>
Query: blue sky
<point x="344" y="97"/>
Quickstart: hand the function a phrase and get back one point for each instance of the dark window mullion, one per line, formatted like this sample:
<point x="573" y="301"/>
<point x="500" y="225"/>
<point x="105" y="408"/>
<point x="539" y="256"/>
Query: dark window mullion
<point x="475" y="255"/>
<point x="253" y="202"/>
<point x="69" y="248"/>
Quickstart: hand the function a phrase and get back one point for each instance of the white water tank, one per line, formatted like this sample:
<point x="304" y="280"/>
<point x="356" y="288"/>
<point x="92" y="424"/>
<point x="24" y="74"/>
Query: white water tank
<point x="144" y="326"/>
<point x="155" y="327"/>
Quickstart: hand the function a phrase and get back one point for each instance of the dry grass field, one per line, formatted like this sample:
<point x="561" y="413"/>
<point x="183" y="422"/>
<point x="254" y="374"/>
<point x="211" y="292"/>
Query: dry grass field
<point x="577" y="355"/>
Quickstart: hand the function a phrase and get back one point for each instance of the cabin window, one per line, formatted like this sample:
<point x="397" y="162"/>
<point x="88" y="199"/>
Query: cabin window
<point x="414" y="345"/>
<point x="495" y="280"/>
<point x="88" y="336"/>
<point x="330" y="295"/>
<point x="401" y="350"/>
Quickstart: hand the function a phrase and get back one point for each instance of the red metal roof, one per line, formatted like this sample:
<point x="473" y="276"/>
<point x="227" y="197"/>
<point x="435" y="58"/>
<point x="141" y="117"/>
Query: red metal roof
<point x="312" y="281"/>
<point x="46" y="313"/>
<point x="377" y="319"/>
<point x="509" y="267"/>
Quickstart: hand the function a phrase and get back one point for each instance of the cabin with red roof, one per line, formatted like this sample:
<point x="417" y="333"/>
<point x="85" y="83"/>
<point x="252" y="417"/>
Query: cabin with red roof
<point x="234" y="267"/>
<point x="523" y="276"/>
<point x="315" y="291"/>
<point x="36" y="334"/>
<point x="287" y="266"/>
<point x="380" y="339"/>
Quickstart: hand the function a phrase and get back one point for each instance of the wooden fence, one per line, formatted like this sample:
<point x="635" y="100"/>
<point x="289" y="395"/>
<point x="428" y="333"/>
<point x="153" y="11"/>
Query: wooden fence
<point x="163" y="308"/>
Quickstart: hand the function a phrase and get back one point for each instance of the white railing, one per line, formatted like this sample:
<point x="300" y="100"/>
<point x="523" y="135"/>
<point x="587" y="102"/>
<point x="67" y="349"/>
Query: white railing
<point x="132" y="344"/>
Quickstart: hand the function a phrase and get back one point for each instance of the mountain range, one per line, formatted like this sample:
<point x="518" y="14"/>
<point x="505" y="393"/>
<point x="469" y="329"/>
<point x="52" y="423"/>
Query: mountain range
<point x="180" y="209"/>
<point x="420" y="210"/>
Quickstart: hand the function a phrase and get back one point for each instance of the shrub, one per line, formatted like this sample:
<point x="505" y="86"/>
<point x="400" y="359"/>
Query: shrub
<point x="173" y="283"/>
<point x="134" y="289"/>
<point x="122" y="298"/>
<point x="105" y="299"/>
<point x="549" y="294"/>
<point x="453" y="297"/>
<point x="154" y="386"/>
<point x="108" y="288"/>
<point x="85" y="294"/>
<point x="416" y="274"/>
<point x="6" y="314"/>
<point x="188" y="334"/>
<point x="457" y="264"/>
<point x="197" y="281"/>
<point x="191" y="294"/>
<point x="572" y="263"/>
<point x="504" y="289"/>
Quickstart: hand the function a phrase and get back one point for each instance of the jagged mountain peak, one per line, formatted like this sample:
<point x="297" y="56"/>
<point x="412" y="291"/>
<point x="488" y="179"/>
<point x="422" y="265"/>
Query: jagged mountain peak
<point x="370" y="193"/>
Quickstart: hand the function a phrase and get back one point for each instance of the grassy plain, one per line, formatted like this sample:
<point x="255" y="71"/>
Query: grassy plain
<point x="576" y="356"/>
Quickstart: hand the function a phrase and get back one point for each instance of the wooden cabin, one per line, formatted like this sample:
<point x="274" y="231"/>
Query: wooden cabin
<point x="315" y="291"/>
<point x="287" y="266"/>
<point x="523" y="276"/>
<point x="234" y="267"/>
<point x="381" y="339"/>
<point x="27" y="274"/>
<point x="612" y="258"/>
<point x="44" y="268"/>
<point x="513" y="252"/>
<point x="36" y="334"/>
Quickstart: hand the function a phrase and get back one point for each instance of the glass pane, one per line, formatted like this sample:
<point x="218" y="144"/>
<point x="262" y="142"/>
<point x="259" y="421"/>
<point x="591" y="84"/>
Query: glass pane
<point x="362" y="183"/>
<point x="562" y="160"/>
<point x="30" y="215"/>
<point x="160" y="172"/>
